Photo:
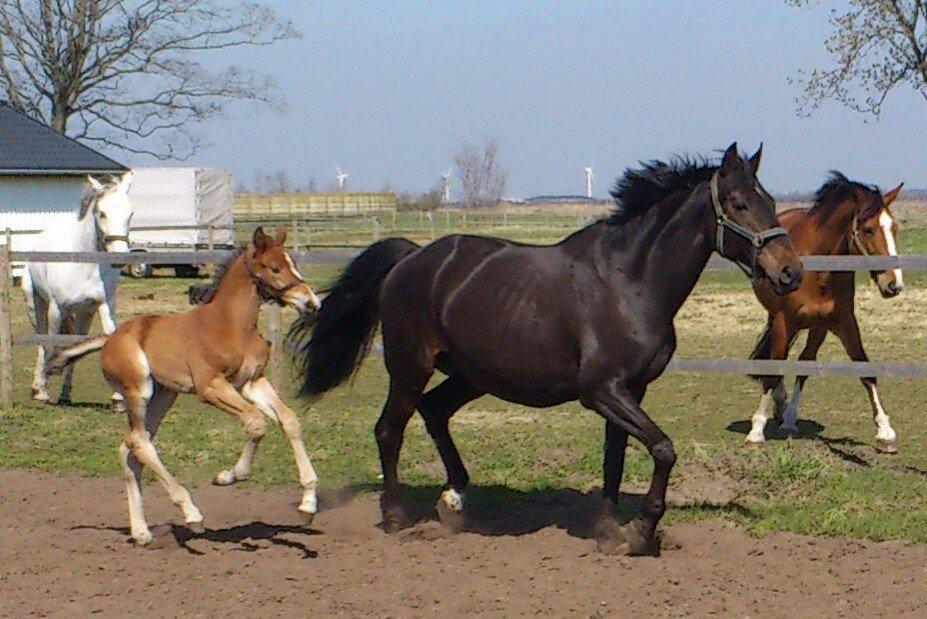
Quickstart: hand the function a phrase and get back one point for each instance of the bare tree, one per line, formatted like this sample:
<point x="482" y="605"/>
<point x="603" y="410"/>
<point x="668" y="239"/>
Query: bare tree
<point x="482" y="178"/>
<point x="128" y="73"/>
<point x="877" y="45"/>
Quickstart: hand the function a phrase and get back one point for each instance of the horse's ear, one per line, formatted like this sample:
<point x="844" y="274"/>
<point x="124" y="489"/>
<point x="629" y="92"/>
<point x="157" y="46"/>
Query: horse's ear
<point x="94" y="184"/>
<point x="755" y="160"/>
<point x="125" y="182"/>
<point x="730" y="159"/>
<point x="280" y="237"/>
<point x="260" y="240"/>
<point x="890" y="196"/>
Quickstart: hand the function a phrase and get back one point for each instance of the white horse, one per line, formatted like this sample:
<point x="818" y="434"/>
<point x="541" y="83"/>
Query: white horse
<point x="63" y="296"/>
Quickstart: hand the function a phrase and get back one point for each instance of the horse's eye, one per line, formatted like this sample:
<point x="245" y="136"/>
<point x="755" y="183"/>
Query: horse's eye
<point x="275" y="270"/>
<point x="102" y="215"/>
<point x="740" y="205"/>
<point x="868" y="230"/>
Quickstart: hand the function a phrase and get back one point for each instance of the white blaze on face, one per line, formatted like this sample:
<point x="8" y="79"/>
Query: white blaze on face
<point x="293" y="268"/>
<point x="886" y="221"/>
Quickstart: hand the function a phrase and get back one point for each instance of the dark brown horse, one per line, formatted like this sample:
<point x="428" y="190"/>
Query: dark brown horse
<point x="847" y="218"/>
<point x="588" y="319"/>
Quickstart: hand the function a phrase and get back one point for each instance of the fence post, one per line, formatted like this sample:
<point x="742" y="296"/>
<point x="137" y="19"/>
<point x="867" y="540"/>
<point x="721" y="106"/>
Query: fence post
<point x="274" y="323"/>
<point x="6" y="335"/>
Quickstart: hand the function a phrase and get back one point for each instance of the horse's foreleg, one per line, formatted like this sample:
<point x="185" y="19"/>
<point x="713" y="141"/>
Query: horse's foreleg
<point x="263" y="395"/>
<point x="848" y="332"/>
<point x="437" y="407"/>
<point x="52" y="319"/>
<point x="789" y="423"/>
<point x="619" y="406"/>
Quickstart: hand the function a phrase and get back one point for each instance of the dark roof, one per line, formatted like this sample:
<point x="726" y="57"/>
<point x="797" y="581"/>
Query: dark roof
<point x="30" y="147"/>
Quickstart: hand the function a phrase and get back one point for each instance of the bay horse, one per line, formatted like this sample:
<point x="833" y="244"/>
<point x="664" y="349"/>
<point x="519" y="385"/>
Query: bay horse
<point x="62" y="297"/>
<point x="216" y="351"/>
<point x="589" y="318"/>
<point x="847" y="218"/>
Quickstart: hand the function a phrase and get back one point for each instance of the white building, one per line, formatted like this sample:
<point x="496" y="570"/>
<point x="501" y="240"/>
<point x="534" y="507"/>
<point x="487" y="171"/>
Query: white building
<point x="42" y="176"/>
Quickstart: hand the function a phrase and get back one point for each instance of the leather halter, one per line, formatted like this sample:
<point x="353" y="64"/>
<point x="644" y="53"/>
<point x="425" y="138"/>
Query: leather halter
<point x="756" y="239"/>
<point x="854" y="236"/>
<point x="268" y="293"/>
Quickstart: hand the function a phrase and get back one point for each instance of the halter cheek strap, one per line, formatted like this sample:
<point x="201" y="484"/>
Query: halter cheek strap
<point x="854" y="235"/>
<point x="756" y="239"/>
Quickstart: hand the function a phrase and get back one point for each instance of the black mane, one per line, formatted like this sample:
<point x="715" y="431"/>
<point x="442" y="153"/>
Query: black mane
<point x="200" y="294"/>
<point x="838" y="188"/>
<point x="639" y="189"/>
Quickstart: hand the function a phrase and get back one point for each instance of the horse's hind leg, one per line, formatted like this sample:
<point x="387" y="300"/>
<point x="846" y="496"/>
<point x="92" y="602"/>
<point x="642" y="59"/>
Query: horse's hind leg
<point x="437" y="407"/>
<point x="789" y="423"/>
<point x="160" y="401"/>
<point x="78" y="323"/>
<point x="265" y="397"/>
<point x="774" y="397"/>
<point x="620" y="407"/>
<point x="138" y="441"/>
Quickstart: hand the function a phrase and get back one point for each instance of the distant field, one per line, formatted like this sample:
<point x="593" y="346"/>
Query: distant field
<point x="831" y="482"/>
<point x="525" y="224"/>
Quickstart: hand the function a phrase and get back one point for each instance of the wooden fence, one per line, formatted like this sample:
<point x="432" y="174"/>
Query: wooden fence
<point x="341" y="256"/>
<point x="252" y="205"/>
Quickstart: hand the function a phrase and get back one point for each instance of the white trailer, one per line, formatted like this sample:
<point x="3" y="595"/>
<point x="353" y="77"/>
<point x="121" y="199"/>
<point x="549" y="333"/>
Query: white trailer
<point x="180" y="209"/>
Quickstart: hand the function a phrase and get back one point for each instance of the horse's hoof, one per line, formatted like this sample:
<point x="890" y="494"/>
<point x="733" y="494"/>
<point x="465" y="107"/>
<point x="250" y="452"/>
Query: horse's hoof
<point x="118" y="406"/>
<point x="886" y="447"/>
<point x="790" y="431"/>
<point x="40" y="396"/>
<point x="224" y="478"/>
<point x="64" y="401"/>
<point x="754" y="443"/>
<point x="450" y="511"/>
<point x="197" y="527"/>
<point x="638" y="544"/>
<point x="142" y="539"/>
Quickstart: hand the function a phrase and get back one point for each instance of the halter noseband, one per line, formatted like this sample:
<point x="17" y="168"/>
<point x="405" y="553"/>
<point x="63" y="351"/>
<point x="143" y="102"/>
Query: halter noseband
<point x="268" y="293"/>
<point x="756" y="239"/>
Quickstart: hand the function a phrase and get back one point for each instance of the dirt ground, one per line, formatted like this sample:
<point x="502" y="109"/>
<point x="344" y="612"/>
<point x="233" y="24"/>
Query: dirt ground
<point x="64" y="550"/>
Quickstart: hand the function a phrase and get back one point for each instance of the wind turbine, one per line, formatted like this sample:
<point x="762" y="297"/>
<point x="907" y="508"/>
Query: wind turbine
<point x="341" y="177"/>
<point x="589" y="175"/>
<point x="447" y="186"/>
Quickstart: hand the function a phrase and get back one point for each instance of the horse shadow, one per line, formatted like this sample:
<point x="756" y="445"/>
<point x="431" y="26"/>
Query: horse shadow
<point x="245" y="535"/>
<point x="495" y="510"/>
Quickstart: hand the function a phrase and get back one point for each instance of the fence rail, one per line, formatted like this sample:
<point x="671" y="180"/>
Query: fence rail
<point x="341" y="256"/>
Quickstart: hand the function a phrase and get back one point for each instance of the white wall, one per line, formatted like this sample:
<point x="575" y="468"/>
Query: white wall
<point x="35" y="203"/>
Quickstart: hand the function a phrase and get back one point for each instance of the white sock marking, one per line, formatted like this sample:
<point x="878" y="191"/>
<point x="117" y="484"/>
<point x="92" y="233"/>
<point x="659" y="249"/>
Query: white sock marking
<point x="760" y="417"/>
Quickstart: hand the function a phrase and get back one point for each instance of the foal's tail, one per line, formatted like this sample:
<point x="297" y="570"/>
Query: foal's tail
<point x="66" y="356"/>
<point x="331" y="345"/>
<point x="761" y="351"/>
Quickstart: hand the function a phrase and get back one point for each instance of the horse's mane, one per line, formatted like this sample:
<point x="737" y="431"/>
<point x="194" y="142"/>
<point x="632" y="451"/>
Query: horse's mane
<point x="200" y="294"/>
<point x="838" y="188"/>
<point x="637" y="190"/>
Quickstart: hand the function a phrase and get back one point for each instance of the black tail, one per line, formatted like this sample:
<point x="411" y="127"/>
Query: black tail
<point x="761" y="351"/>
<point x="331" y="345"/>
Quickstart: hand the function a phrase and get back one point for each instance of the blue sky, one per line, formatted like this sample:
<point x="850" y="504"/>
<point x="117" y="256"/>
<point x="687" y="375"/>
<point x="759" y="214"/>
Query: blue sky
<point x="390" y="90"/>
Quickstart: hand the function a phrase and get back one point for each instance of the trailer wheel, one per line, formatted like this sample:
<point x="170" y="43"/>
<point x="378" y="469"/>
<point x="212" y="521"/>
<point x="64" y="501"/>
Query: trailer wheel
<point x="187" y="271"/>
<point x="138" y="271"/>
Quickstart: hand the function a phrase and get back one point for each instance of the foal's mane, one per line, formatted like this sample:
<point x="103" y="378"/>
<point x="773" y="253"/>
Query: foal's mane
<point x="637" y="190"/>
<point x="837" y="189"/>
<point x="205" y="292"/>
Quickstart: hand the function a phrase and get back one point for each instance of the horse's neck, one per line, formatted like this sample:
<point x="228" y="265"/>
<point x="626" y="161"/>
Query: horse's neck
<point x="830" y="234"/>
<point x="664" y="250"/>
<point x="78" y="234"/>
<point x="236" y="297"/>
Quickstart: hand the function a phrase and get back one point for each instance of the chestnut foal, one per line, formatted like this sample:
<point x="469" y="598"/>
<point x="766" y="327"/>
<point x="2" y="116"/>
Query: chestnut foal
<point x="847" y="218"/>
<point x="216" y="351"/>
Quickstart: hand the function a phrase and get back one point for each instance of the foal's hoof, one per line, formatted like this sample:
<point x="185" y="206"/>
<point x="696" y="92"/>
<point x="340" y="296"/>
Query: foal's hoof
<point x="224" y="478"/>
<point x="197" y="527"/>
<point x="755" y="443"/>
<point x="142" y="539"/>
<point x="62" y="401"/>
<point x="886" y="447"/>
<point x="789" y="431"/>
<point x="627" y="541"/>
<point x="40" y="396"/>
<point x="118" y="406"/>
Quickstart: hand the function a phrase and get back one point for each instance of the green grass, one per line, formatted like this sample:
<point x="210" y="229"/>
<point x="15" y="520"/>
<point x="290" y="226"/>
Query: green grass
<point x="829" y="483"/>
